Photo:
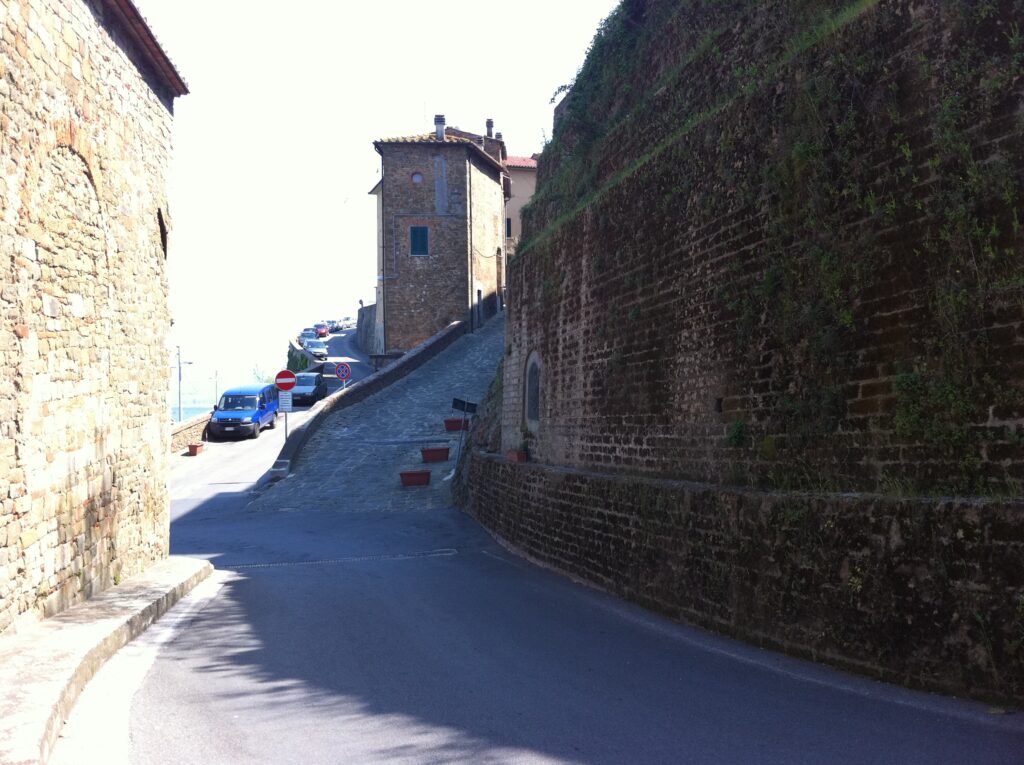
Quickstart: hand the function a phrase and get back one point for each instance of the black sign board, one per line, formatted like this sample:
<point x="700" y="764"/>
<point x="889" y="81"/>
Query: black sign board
<point x="458" y="405"/>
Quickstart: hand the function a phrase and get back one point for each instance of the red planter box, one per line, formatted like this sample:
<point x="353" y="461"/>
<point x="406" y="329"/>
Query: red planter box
<point x="456" y="423"/>
<point x="517" y="455"/>
<point x="415" y="477"/>
<point x="194" y="449"/>
<point x="434" y="453"/>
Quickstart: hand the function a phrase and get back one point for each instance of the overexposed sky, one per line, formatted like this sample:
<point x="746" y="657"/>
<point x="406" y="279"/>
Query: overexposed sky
<point x="273" y="228"/>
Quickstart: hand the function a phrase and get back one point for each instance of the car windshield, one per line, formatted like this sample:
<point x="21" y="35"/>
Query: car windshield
<point x="317" y="344"/>
<point x="237" y="402"/>
<point x="305" y="381"/>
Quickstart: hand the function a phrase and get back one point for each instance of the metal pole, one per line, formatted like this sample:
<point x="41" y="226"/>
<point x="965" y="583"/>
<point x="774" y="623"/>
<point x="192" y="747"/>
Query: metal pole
<point x="179" y="383"/>
<point x="286" y="426"/>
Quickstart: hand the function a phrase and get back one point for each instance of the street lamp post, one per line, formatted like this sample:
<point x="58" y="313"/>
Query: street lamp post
<point x="180" y="362"/>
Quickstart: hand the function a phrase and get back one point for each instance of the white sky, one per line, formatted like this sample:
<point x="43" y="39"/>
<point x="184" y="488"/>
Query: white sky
<point x="273" y="228"/>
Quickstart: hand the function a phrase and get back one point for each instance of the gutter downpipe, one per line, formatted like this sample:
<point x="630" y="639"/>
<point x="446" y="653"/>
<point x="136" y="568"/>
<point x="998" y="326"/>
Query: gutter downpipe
<point x="469" y="196"/>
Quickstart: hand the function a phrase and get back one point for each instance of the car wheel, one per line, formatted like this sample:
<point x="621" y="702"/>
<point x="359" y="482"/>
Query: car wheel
<point x="273" y="421"/>
<point x="256" y="429"/>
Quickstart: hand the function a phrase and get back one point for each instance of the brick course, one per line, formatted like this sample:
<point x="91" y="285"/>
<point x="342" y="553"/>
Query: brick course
<point x="84" y="437"/>
<point x="920" y="592"/>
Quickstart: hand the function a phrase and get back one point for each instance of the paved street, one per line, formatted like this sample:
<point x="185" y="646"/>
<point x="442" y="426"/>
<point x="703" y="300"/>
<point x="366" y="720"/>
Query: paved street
<point x="357" y="621"/>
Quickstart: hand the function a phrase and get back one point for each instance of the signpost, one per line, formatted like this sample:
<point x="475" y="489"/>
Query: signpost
<point x="343" y="372"/>
<point x="285" y="381"/>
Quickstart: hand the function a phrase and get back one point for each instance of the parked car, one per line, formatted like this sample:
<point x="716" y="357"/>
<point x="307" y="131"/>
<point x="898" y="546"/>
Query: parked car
<point x="244" y="411"/>
<point x="348" y="323"/>
<point x="309" y="388"/>
<point x="307" y="335"/>
<point x="334" y="325"/>
<point x="322" y="330"/>
<point x="317" y="347"/>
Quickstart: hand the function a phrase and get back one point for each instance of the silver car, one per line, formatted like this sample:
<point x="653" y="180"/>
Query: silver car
<point x="317" y="347"/>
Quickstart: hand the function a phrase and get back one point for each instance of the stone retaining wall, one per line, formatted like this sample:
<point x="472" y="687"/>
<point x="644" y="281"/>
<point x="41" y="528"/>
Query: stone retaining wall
<point x="187" y="432"/>
<point x="923" y="592"/>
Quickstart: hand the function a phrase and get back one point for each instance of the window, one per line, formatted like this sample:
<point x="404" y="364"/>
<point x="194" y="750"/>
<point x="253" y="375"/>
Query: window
<point x="163" y="231"/>
<point x="417" y="178"/>
<point x="508" y="228"/>
<point x="418" y="240"/>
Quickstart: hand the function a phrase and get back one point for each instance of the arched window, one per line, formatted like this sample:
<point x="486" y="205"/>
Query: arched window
<point x="531" y="401"/>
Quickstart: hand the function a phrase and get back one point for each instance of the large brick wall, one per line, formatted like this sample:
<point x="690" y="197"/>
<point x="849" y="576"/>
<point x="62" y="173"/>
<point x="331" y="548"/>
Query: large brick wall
<point x="929" y="594"/>
<point x="789" y="254"/>
<point x="779" y="246"/>
<point x="84" y="431"/>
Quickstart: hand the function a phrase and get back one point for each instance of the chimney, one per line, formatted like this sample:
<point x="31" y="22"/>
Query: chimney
<point x="490" y="128"/>
<point x="498" y="136"/>
<point x="439" y="126"/>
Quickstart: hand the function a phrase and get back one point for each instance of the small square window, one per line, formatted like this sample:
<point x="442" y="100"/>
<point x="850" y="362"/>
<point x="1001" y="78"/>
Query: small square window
<point x="418" y="240"/>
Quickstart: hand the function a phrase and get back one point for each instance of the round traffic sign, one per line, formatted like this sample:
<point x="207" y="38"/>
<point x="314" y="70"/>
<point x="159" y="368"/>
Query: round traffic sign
<point x="285" y="380"/>
<point x="342" y="370"/>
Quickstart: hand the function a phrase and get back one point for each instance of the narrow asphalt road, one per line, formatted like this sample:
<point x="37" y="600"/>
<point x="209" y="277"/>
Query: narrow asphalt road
<point x="356" y="621"/>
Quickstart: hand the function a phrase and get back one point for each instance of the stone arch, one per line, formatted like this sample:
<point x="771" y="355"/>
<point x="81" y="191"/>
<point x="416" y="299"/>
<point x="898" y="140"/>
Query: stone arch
<point x="532" y="387"/>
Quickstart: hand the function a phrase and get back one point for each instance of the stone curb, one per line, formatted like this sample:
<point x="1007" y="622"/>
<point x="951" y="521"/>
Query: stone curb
<point x="45" y="665"/>
<point x="361" y="390"/>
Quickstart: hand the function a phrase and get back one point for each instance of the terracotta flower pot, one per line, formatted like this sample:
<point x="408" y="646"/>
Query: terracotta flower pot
<point x="194" y="449"/>
<point x="434" y="453"/>
<point x="517" y="455"/>
<point x="415" y="477"/>
<point x="456" y="423"/>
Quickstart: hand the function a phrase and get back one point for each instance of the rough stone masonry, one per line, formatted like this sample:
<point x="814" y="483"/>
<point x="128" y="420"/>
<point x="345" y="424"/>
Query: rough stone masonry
<point x="768" y="318"/>
<point x="86" y="99"/>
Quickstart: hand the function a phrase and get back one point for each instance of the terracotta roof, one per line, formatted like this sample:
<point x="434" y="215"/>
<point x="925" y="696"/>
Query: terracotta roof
<point x="528" y="162"/>
<point x="135" y="26"/>
<point x="425" y="138"/>
<point x="431" y="138"/>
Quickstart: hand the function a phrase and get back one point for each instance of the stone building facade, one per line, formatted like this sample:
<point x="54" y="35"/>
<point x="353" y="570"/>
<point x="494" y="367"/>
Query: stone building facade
<point x="86" y="101"/>
<point x="522" y="171"/>
<point x="441" y="225"/>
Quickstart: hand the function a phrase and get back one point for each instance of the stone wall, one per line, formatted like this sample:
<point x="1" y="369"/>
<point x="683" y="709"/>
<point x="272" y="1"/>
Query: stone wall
<point x="777" y="248"/>
<point x="790" y="254"/>
<point x="924" y="593"/>
<point x="83" y="423"/>
<point x="190" y="431"/>
<point x="487" y="239"/>
<point x="366" y="326"/>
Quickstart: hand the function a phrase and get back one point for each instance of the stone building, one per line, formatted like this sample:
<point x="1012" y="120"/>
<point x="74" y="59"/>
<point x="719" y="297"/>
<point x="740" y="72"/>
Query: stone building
<point x="441" y="234"/>
<point x="86" y="103"/>
<point x="522" y="171"/>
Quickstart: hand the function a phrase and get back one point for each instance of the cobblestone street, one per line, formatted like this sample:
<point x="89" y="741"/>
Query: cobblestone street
<point x="351" y="463"/>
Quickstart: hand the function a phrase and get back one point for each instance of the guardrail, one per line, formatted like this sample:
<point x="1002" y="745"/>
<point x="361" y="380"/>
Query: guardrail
<point x="361" y="390"/>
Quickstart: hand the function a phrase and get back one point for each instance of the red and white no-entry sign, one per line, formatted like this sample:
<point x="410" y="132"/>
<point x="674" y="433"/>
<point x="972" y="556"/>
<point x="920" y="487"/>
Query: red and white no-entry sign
<point x="285" y="380"/>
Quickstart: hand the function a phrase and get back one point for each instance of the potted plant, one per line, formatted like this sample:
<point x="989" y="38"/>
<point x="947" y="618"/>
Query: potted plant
<point x="415" y="477"/>
<point x="194" y="449"/>
<point x="522" y="454"/>
<point x="456" y="423"/>
<point x="434" y="453"/>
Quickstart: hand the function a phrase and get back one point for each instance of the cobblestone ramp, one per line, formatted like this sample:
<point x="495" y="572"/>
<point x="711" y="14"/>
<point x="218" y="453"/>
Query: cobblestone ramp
<point x="351" y="464"/>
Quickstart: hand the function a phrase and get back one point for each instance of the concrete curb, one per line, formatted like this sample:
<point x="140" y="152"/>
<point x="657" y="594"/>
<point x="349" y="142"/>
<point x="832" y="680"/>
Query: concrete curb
<point x="363" y="389"/>
<point x="46" y="664"/>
